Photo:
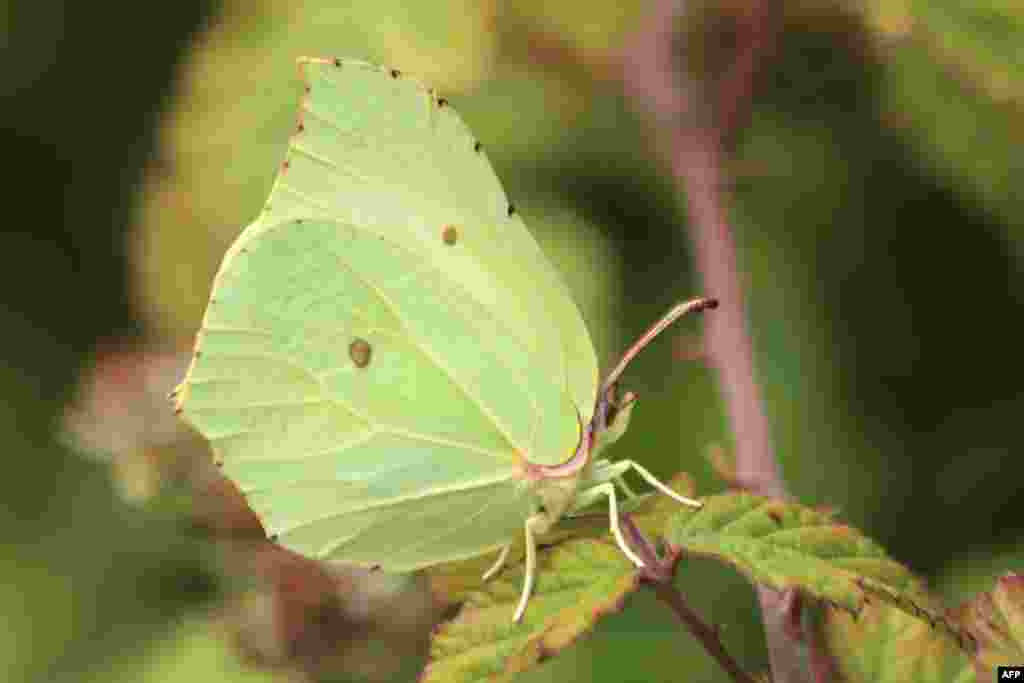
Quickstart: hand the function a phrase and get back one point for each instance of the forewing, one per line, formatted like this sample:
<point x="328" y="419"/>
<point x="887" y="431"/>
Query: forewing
<point x="377" y="150"/>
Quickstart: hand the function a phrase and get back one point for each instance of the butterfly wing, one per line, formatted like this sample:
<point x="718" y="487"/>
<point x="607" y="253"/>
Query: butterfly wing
<point x="376" y="149"/>
<point x="386" y="344"/>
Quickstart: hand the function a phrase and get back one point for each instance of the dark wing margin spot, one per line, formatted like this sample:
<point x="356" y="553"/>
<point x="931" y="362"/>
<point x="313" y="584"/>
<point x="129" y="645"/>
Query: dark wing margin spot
<point x="395" y="73"/>
<point x="337" y="62"/>
<point x="477" y="146"/>
<point x="360" y="352"/>
<point x="449" y="235"/>
<point x="511" y="209"/>
<point x="442" y="102"/>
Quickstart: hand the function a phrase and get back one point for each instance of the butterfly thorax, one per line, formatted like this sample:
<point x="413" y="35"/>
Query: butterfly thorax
<point x="555" y="496"/>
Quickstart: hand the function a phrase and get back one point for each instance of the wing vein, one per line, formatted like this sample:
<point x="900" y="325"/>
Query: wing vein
<point x="281" y="185"/>
<point x="395" y="500"/>
<point x="437" y="362"/>
<point x="313" y="156"/>
<point x="463" y="523"/>
<point x="362" y="437"/>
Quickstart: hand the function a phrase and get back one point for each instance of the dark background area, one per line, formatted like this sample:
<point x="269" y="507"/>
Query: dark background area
<point x="85" y="577"/>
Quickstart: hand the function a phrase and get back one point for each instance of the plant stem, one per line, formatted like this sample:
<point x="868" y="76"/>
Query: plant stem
<point x="653" y="77"/>
<point x="708" y="636"/>
<point x="695" y="148"/>
<point x="659" y="574"/>
<point x="696" y="160"/>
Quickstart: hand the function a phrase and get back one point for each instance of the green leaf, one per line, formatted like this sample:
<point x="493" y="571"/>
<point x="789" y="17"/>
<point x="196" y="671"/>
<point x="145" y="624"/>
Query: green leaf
<point x="953" y="78"/>
<point x="995" y="621"/>
<point x="655" y="510"/>
<point x="886" y="645"/>
<point x="979" y="42"/>
<point x="578" y="582"/>
<point x="786" y="545"/>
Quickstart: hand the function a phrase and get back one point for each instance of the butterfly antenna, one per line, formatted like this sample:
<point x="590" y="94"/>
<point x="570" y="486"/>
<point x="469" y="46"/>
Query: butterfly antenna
<point x="677" y="312"/>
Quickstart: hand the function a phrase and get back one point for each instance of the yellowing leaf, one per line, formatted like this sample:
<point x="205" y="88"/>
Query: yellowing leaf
<point x="996" y="621"/>
<point x="578" y="581"/>
<point x="886" y="645"/>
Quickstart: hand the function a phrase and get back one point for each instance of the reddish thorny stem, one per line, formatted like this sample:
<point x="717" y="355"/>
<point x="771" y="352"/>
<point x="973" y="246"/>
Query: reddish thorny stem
<point x="652" y="76"/>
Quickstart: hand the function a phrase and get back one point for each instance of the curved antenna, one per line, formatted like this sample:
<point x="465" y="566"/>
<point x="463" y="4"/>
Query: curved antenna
<point x="676" y="312"/>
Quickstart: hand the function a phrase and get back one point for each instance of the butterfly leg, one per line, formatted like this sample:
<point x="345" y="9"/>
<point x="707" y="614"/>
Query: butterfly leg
<point x="630" y="493"/>
<point x="604" y="470"/>
<point x="493" y="571"/>
<point x="533" y="525"/>
<point x="588" y="496"/>
<point x="653" y="481"/>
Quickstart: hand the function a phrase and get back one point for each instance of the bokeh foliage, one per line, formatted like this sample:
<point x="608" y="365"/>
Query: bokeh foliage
<point x="878" y="227"/>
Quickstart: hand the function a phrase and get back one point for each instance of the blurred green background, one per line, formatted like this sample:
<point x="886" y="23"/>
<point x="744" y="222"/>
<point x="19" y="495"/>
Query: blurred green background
<point x="879" y="233"/>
